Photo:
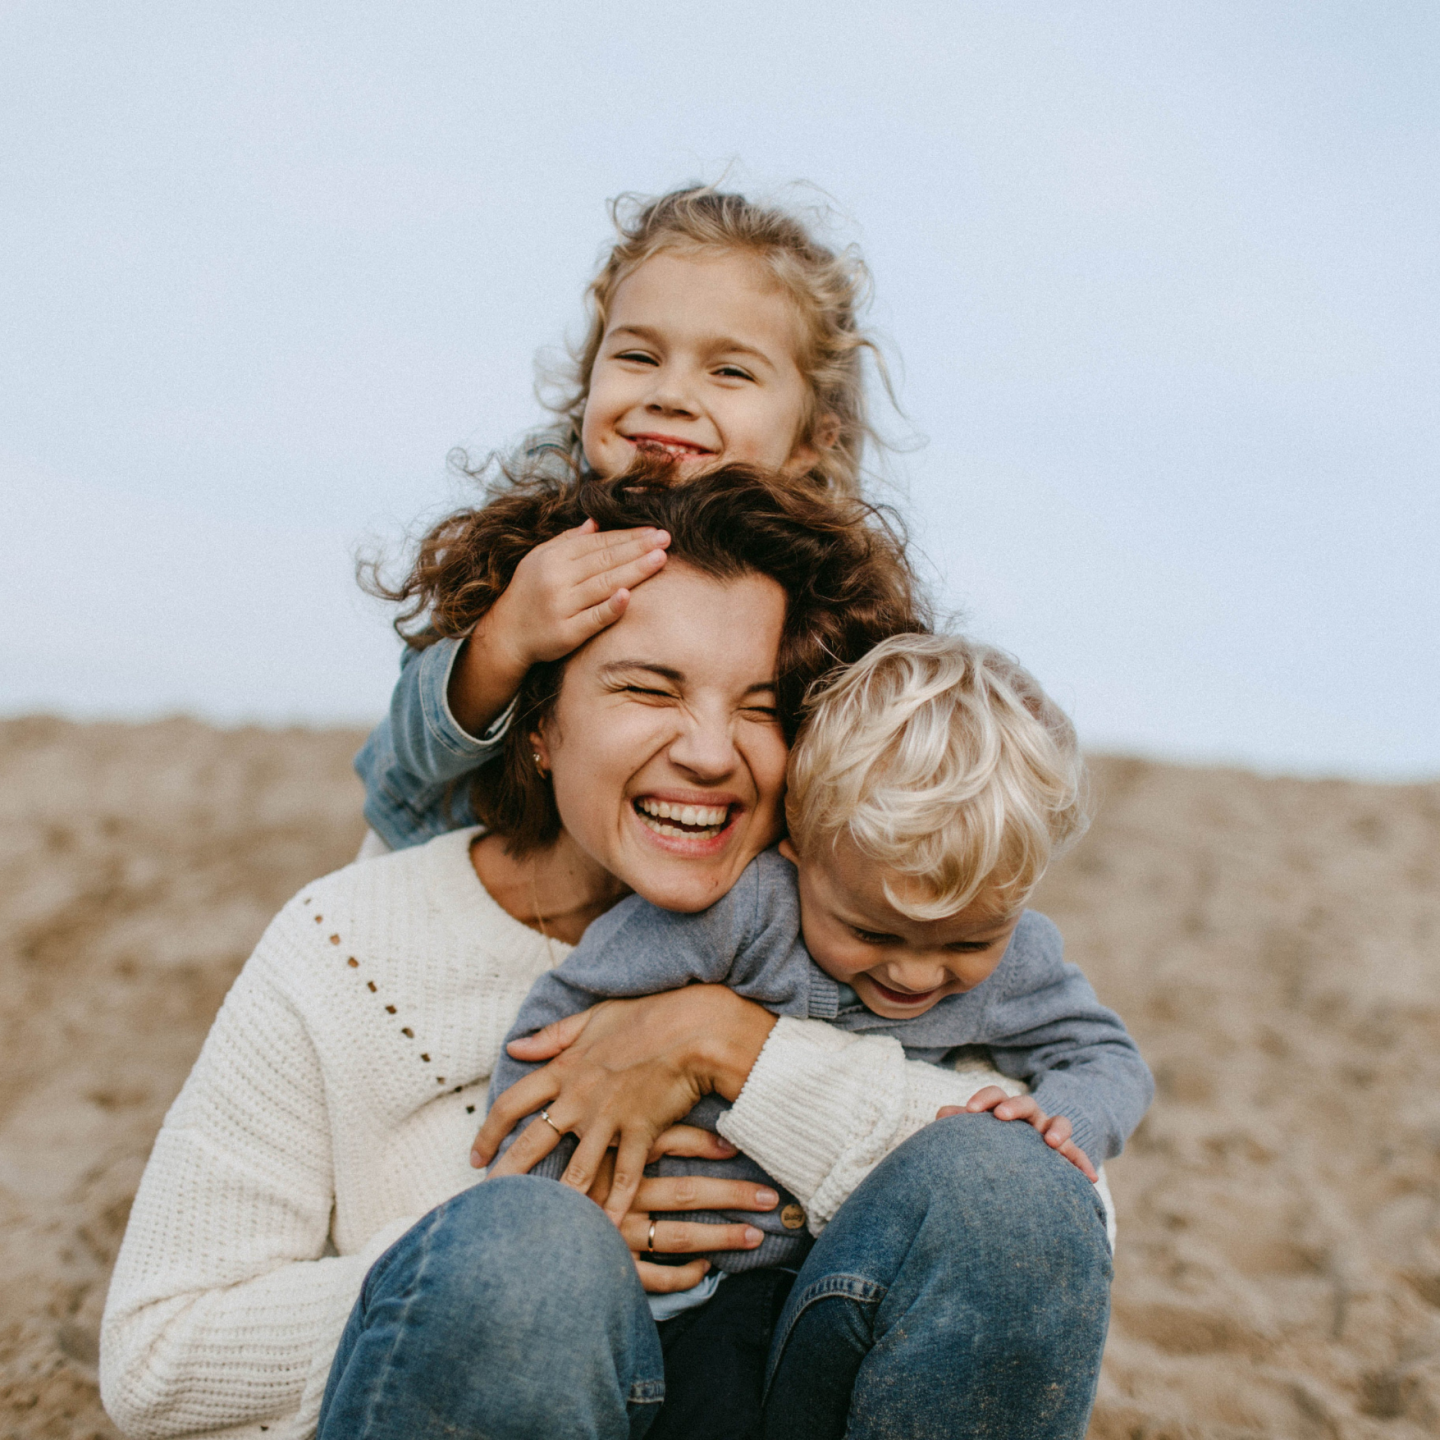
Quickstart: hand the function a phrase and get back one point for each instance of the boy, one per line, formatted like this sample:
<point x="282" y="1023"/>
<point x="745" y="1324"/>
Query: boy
<point x="931" y="784"/>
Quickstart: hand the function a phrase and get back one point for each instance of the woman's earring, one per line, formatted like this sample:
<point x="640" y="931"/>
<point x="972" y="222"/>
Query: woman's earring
<point x="539" y="763"/>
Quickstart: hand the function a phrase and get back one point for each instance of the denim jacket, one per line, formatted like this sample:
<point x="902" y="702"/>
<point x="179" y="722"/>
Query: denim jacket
<point x="414" y="758"/>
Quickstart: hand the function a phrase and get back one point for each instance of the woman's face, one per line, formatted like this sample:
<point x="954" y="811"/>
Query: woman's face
<point x="664" y="748"/>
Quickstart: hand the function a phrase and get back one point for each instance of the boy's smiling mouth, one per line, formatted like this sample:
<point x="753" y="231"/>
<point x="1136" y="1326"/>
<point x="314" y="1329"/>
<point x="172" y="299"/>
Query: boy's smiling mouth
<point x="903" y="997"/>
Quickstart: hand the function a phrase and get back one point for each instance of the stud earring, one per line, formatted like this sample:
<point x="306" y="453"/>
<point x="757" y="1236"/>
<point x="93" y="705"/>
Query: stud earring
<point x="539" y="763"/>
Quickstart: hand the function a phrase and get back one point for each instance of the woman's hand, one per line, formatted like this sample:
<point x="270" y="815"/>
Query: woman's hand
<point x="684" y="1192"/>
<point x="1055" y="1129"/>
<point x="623" y="1073"/>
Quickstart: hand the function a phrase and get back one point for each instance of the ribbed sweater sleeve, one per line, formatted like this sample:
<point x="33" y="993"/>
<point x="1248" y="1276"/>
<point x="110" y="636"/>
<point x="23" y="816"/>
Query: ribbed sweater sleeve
<point x="221" y="1309"/>
<point x="823" y="1107"/>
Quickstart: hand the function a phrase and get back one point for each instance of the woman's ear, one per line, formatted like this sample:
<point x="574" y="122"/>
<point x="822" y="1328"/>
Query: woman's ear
<point x="539" y="751"/>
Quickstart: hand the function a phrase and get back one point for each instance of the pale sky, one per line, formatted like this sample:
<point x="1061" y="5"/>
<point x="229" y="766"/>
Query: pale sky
<point x="1158" y="282"/>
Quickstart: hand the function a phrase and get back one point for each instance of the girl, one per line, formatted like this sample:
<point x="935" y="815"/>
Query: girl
<point x="720" y="331"/>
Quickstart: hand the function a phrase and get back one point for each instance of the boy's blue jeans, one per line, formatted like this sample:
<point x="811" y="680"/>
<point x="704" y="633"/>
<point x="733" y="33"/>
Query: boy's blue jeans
<point x="962" y="1290"/>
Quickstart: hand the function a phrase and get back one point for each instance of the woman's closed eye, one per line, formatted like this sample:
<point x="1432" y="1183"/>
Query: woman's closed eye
<point x="647" y="692"/>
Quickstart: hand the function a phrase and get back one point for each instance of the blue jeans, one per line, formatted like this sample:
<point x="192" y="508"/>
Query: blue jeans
<point x="962" y="1290"/>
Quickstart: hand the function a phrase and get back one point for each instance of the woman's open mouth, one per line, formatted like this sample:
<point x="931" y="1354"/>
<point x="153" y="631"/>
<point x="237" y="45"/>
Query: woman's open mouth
<point x="682" y="822"/>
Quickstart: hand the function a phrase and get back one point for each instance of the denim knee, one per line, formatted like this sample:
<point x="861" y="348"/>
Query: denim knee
<point x="996" y="1188"/>
<point x="517" y="1243"/>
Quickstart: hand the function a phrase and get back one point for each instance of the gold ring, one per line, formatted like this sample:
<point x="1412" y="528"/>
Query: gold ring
<point x="545" y="1116"/>
<point x="650" y="1242"/>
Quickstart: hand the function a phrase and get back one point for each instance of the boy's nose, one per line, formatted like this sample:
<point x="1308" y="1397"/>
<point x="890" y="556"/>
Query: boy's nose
<point x="916" y="976"/>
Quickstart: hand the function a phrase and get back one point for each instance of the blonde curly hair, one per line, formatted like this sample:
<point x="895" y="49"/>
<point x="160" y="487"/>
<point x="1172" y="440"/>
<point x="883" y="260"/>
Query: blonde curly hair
<point x="826" y="287"/>
<point x="944" y="761"/>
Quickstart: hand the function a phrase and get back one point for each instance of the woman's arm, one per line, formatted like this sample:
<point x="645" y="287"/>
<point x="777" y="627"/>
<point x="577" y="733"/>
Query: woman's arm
<point x="221" y="1310"/>
<point x="821" y="1107"/>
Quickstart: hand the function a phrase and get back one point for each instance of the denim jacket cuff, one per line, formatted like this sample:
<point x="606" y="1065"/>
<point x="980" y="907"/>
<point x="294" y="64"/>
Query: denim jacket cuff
<point x="437" y="664"/>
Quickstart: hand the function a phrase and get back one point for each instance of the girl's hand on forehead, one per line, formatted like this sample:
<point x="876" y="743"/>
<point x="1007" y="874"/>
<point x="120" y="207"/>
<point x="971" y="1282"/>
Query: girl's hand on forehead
<point x="571" y="588"/>
<point x="561" y="594"/>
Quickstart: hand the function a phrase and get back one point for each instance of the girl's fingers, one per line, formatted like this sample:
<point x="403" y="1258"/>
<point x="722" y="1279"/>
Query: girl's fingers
<point x="686" y="1237"/>
<point x="691" y="1141"/>
<point x="702" y="1192"/>
<point x="596" y="552"/>
<point x="945" y="1111"/>
<point x="667" y="1279"/>
<point x="534" y="1092"/>
<point x="593" y="590"/>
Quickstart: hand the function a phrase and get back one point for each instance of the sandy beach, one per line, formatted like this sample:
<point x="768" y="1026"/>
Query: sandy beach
<point x="1274" y="945"/>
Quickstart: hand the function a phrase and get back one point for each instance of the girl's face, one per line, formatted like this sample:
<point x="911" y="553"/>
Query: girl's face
<point x="698" y="360"/>
<point x="664" y="749"/>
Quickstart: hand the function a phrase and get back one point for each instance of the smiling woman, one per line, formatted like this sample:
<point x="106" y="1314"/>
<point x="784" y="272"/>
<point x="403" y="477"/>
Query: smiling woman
<point x="327" y="1124"/>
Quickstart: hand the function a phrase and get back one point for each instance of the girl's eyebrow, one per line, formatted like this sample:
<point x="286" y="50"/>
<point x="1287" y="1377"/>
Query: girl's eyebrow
<point x="722" y="344"/>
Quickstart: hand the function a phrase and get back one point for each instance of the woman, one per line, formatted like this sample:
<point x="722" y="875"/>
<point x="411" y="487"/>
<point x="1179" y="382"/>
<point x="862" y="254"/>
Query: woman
<point x="327" y="1123"/>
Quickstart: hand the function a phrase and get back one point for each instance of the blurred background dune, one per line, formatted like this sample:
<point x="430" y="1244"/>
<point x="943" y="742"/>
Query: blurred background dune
<point x="1271" y="942"/>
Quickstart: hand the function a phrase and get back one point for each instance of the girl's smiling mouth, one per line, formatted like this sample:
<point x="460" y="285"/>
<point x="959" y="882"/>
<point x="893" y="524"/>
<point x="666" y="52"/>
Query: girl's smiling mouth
<point x="671" y="445"/>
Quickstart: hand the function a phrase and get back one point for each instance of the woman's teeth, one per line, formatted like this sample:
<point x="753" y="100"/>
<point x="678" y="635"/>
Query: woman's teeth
<point x="703" y="821"/>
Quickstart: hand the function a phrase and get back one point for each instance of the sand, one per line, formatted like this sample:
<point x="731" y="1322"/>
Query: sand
<point x="1274" y="944"/>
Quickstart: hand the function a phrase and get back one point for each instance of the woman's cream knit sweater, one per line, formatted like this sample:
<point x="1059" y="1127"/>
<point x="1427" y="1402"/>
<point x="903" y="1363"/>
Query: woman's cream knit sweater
<point x="334" y="1103"/>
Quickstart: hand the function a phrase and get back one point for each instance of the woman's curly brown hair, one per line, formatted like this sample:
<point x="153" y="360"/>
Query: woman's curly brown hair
<point x="840" y="561"/>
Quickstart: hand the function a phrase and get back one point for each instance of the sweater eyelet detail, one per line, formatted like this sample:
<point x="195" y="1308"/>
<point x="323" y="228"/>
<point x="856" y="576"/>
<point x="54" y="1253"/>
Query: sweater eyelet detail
<point x="407" y="1032"/>
<point x="354" y="964"/>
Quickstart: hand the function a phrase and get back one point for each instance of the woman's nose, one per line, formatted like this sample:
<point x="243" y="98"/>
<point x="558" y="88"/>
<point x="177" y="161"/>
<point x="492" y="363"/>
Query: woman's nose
<point x="705" y="748"/>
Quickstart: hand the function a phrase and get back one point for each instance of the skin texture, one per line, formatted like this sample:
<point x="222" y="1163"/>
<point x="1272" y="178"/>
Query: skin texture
<point x="669" y="706"/>
<point x="698" y="359"/>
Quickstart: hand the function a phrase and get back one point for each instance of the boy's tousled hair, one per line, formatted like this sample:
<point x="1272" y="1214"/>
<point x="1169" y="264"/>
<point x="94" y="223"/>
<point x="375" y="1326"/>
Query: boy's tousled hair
<point x="840" y="561"/>
<point x="826" y="289"/>
<point x="943" y="760"/>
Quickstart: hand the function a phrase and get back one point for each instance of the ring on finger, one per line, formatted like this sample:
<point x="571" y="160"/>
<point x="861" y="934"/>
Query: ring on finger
<point x="545" y="1116"/>
<point x="650" y="1239"/>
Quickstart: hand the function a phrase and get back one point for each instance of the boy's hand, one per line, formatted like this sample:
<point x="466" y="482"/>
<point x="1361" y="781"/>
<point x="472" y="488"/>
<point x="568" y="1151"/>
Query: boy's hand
<point x="1054" y="1128"/>
<point x="561" y="594"/>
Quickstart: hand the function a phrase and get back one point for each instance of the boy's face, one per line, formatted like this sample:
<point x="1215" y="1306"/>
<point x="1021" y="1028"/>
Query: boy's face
<point x="697" y="361"/>
<point x="899" y="967"/>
